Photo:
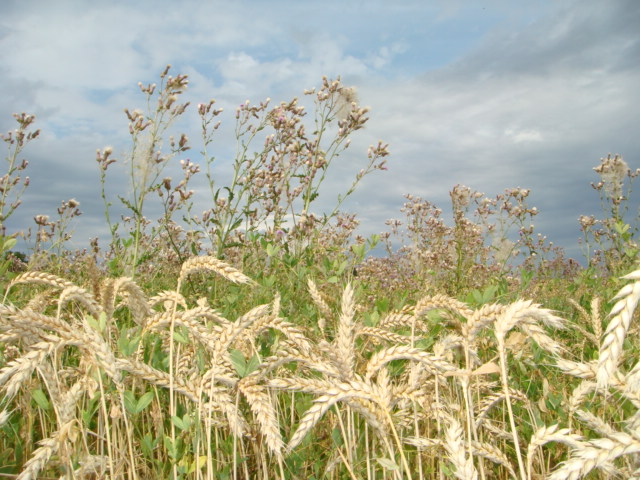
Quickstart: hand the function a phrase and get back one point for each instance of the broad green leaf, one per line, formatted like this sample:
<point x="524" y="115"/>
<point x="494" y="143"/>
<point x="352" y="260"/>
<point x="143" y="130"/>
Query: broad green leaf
<point x="183" y="423"/>
<point x="144" y="401"/>
<point x="252" y="365"/>
<point x="128" y="346"/>
<point x="148" y="445"/>
<point x="180" y="338"/>
<point x="41" y="399"/>
<point x="8" y="244"/>
<point x="93" y="323"/>
<point x="169" y="445"/>
<point x="129" y="401"/>
<point x="336" y="435"/>
<point x="239" y="362"/>
<point x="272" y="249"/>
<point x="388" y="464"/>
<point x="177" y="421"/>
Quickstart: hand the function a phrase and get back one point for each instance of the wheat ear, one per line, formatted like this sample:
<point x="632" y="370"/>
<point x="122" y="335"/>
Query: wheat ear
<point x="212" y="264"/>
<point x="41" y="278"/>
<point x="337" y="393"/>
<point x="597" y="454"/>
<point x="433" y="362"/>
<point x="317" y="299"/>
<point x="262" y="407"/>
<point x="345" y="338"/>
<point x="622" y="312"/>
<point x="48" y="447"/>
<point x="454" y="444"/>
<point x="545" y="435"/>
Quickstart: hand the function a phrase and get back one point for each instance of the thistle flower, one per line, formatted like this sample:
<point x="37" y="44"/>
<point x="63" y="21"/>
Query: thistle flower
<point x="613" y="172"/>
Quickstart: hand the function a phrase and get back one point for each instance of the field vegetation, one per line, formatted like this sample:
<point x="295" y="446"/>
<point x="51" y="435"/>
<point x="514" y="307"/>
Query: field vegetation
<point x="261" y="339"/>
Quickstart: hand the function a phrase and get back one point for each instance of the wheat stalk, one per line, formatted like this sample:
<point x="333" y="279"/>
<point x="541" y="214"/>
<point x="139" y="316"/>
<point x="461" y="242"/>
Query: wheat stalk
<point x="595" y="423"/>
<point x="544" y="341"/>
<point x="134" y="296"/>
<point x="168" y="299"/>
<point x="494" y="454"/>
<point x="593" y="318"/>
<point x="383" y="334"/>
<point x="396" y="319"/>
<point x="481" y="318"/>
<point x="293" y="333"/>
<point x="438" y="302"/>
<point x="490" y="401"/>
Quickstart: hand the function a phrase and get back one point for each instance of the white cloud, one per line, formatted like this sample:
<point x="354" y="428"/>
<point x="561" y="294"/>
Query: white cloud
<point x="508" y="94"/>
<point x="523" y="136"/>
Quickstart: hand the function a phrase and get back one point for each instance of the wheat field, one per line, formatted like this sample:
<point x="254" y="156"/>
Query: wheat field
<point x="119" y="384"/>
<point x="261" y="340"/>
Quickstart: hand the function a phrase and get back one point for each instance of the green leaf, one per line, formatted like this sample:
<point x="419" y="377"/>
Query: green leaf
<point x="186" y="421"/>
<point x="129" y="401"/>
<point x="128" y="346"/>
<point x="252" y="365"/>
<point x="236" y="224"/>
<point x="621" y="227"/>
<point x="98" y="324"/>
<point x="239" y="362"/>
<point x="180" y="338"/>
<point x="171" y="448"/>
<point x="41" y="399"/>
<point x="8" y="244"/>
<point x="183" y="423"/>
<point x="148" y="445"/>
<point x="359" y="250"/>
<point x="342" y="267"/>
<point x="272" y="250"/>
<point x="177" y="421"/>
<point x="336" y="435"/>
<point x="144" y="401"/>
<point x="388" y="464"/>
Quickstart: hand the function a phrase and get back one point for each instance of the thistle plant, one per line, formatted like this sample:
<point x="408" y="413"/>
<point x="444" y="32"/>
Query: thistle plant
<point x="273" y="189"/>
<point x="52" y="236"/>
<point x="611" y="243"/>
<point x="12" y="183"/>
<point x="147" y="159"/>
<point x="490" y="238"/>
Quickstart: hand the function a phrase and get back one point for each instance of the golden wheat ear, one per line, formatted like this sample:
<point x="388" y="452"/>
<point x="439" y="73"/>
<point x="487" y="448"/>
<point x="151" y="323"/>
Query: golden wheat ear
<point x="212" y="264"/>
<point x="621" y="315"/>
<point x="41" y="278"/>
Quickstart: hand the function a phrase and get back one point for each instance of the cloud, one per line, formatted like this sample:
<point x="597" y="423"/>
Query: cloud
<point x="492" y="95"/>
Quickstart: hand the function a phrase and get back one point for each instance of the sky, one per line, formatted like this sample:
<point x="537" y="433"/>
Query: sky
<point x="488" y="94"/>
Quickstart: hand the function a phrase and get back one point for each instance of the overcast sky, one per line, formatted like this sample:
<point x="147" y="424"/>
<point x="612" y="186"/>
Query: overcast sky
<point x="489" y="94"/>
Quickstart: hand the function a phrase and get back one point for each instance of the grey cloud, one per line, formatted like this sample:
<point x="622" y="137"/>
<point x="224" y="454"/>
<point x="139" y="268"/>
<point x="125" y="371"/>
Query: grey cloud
<point x="535" y="103"/>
